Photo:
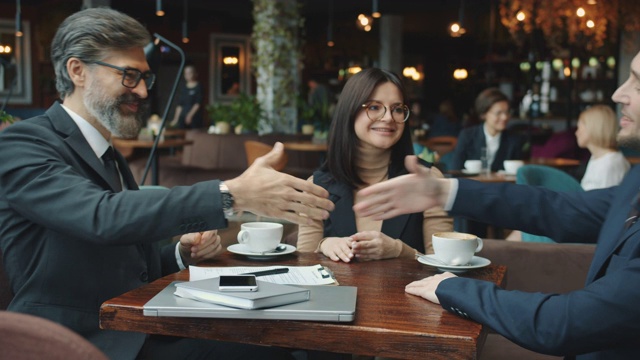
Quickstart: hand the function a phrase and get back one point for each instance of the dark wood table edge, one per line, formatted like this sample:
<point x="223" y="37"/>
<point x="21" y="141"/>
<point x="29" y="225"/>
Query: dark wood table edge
<point x="279" y="332"/>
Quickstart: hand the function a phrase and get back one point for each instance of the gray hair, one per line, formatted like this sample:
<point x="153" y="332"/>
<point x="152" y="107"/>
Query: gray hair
<point x="89" y="35"/>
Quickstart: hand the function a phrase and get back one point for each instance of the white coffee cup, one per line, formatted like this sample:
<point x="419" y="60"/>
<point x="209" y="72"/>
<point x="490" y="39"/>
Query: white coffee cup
<point x="473" y="166"/>
<point x="455" y="248"/>
<point x="260" y="237"/>
<point x="512" y="166"/>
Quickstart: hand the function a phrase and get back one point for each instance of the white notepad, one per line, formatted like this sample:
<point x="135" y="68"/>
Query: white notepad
<point x="267" y="295"/>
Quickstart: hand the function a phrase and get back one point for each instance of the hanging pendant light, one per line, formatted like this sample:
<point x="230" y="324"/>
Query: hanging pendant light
<point x="159" y="11"/>
<point x="330" y="42"/>
<point x="456" y="29"/>
<point x="18" y="19"/>
<point x="185" y="32"/>
<point x="375" y="11"/>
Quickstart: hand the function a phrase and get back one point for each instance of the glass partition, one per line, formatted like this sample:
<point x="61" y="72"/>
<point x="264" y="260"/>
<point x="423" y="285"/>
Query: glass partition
<point x="230" y="72"/>
<point x="15" y="64"/>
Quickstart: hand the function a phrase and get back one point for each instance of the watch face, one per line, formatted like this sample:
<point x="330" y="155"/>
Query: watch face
<point x="227" y="200"/>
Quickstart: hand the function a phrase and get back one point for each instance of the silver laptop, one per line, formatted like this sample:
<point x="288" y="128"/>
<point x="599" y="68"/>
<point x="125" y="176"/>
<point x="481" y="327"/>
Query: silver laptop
<point x="326" y="303"/>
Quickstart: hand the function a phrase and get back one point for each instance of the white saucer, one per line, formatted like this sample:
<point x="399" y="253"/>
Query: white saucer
<point x="467" y="172"/>
<point x="241" y="249"/>
<point x="475" y="263"/>
<point x="504" y="172"/>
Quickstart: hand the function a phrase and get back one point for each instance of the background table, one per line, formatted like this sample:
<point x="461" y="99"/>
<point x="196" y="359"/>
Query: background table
<point x="388" y="323"/>
<point x="148" y="144"/>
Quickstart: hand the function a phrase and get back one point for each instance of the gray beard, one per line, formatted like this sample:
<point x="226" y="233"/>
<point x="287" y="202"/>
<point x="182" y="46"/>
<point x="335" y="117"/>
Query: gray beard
<point x="629" y="142"/>
<point x="107" y="111"/>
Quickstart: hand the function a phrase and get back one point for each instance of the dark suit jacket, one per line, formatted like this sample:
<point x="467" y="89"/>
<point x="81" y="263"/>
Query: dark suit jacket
<point x="342" y="220"/>
<point x="601" y="321"/>
<point x="472" y="140"/>
<point x="70" y="243"/>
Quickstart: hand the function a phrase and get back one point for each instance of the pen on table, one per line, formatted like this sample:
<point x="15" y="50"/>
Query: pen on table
<point x="268" y="272"/>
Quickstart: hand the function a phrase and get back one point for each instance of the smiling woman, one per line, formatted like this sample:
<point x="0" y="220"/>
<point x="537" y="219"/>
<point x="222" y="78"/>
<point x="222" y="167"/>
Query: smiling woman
<point x="368" y="142"/>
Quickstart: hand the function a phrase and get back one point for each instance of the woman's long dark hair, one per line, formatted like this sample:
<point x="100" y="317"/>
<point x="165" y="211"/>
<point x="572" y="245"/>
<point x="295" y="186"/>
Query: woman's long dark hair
<point x="343" y="141"/>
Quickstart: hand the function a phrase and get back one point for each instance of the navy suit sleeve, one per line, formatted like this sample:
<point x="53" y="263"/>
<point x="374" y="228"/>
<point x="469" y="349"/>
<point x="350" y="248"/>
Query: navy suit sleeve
<point x="602" y="315"/>
<point x="563" y="216"/>
<point x="44" y="171"/>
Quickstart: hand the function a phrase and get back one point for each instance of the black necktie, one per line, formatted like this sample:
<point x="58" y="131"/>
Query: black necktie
<point x="109" y="159"/>
<point x="633" y="214"/>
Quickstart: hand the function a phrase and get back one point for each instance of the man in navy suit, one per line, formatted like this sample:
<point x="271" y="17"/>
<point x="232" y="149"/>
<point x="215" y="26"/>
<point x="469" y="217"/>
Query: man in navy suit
<point x="600" y="321"/>
<point x="74" y="228"/>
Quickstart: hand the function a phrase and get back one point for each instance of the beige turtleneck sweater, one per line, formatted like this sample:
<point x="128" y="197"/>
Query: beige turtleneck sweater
<point x="373" y="167"/>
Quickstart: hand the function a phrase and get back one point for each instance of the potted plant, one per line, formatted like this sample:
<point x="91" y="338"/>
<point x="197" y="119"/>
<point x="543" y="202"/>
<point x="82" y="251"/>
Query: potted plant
<point x="305" y="115"/>
<point x="243" y="113"/>
<point x="6" y="119"/>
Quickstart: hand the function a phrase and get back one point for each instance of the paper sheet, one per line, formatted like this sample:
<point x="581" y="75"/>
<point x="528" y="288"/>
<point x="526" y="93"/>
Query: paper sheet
<point x="297" y="275"/>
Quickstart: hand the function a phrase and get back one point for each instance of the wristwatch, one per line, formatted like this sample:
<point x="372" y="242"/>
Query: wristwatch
<point x="227" y="200"/>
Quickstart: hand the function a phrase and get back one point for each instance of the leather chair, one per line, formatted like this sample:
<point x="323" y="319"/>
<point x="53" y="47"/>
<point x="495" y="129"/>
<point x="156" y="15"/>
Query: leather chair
<point x="5" y="290"/>
<point x="534" y="267"/>
<point x="255" y="149"/>
<point x="26" y="337"/>
<point x="548" y="177"/>
<point x="441" y="144"/>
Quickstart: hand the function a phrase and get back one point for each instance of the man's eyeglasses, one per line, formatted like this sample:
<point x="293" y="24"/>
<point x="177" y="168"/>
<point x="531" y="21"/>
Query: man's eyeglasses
<point x="131" y="77"/>
<point x="376" y="110"/>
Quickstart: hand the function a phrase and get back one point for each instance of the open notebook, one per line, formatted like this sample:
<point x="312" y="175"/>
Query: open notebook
<point x="326" y="303"/>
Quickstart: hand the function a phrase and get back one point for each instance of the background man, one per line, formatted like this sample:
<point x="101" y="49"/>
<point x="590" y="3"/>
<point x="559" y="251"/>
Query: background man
<point x="601" y="321"/>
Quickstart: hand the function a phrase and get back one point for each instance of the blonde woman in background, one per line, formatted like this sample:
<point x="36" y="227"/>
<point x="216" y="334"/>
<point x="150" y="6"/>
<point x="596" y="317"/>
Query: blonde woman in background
<point x="597" y="130"/>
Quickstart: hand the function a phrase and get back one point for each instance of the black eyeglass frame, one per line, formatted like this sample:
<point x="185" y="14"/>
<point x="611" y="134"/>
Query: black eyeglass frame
<point x="391" y="108"/>
<point x="148" y="77"/>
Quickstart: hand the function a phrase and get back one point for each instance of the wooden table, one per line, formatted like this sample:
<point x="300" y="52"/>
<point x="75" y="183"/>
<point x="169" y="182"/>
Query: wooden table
<point x="554" y="162"/>
<point x="492" y="177"/>
<point x="148" y="144"/>
<point x="305" y="146"/>
<point x="388" y="323"/>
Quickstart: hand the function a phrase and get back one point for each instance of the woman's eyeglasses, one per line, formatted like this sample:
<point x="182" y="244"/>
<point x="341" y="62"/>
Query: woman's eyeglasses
<point x="376" y="110"/>
<point x="131" y="77"/>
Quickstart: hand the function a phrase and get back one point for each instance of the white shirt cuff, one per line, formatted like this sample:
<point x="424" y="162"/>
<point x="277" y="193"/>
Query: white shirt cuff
<point x="453" y="192"/>
<point x="179" y="258"/>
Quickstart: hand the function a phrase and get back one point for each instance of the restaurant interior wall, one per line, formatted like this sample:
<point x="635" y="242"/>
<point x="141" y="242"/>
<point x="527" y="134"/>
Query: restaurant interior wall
<point x="488" y="52"/>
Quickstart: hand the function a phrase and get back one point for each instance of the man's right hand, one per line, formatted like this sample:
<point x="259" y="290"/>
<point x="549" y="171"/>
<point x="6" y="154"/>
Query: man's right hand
<point x="415" y="192"/>
<point x="267" y="192"/>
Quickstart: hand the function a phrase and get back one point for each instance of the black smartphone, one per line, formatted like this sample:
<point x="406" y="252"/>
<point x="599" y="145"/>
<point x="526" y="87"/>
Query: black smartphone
<point x="238" y="283"/>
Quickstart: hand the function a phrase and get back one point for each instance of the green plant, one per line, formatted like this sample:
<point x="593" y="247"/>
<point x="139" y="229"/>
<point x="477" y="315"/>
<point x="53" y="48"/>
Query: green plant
<point x="245" y="110"/>
<point x="305" y="112"/>
<point x="277" y="51"/>
<point x="5" y="117"/>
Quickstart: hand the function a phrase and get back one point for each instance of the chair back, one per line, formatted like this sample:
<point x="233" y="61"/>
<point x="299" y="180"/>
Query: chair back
<point x="547" y="177"/>
<point x="255" y="149"/>
<point x="5" y="289"/>
<point x="441" y="144"/>
<point x="26" y="337"/>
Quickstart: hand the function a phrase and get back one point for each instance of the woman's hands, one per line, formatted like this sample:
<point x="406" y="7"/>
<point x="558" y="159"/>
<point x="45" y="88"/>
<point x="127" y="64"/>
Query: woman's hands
<point x="374" y="245"/>
<point x="337" y="248"/>
<point x="365" y="245"/>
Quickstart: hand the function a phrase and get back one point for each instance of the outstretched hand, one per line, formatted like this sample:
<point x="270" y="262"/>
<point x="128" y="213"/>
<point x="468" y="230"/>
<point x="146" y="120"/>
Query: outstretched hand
<point x="415" y="192"/>
<point x="265" y="191"/>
